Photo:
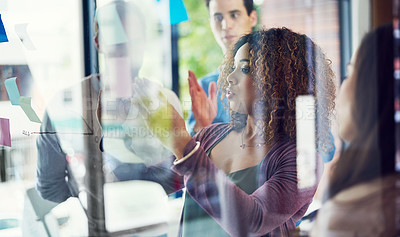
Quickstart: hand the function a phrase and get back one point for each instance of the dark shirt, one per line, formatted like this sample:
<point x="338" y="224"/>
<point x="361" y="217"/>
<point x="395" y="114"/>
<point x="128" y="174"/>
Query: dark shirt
<point x="196" y="222"/>
<point x="272" y="209"/>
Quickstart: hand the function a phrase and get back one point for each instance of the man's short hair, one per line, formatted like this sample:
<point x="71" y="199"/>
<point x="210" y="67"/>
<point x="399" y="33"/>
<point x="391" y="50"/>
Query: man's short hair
<point x="248" y="4"/>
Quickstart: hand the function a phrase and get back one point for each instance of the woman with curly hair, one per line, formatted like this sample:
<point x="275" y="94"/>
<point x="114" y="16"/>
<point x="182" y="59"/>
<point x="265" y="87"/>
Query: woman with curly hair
<point x="241" y="177"/>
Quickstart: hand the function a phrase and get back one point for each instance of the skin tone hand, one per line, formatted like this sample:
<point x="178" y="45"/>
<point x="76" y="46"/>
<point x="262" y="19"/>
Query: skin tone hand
<point x="161" y="117"/>
<point x="204" y="108"/>
<point x="180" y="136"/>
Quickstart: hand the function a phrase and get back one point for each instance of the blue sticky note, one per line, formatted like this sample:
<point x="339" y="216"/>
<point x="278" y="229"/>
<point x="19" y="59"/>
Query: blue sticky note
<point x="111" y="28"/>
<point x="12" y="90"/>
<point x="3" y="35"/>
<point x="25" y="103"/>
<point x="177" y="12"/>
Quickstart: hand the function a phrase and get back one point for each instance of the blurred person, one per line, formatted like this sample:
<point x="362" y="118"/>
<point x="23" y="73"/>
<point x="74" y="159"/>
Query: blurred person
<point x="61" y="145"/>
<point x="363" y="193"/>
<point x="241" y="177"/>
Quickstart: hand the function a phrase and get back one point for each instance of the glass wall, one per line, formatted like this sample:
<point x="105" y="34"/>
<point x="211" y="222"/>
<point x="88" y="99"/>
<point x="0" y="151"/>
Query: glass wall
<point x="115" y="152"/>
<point x="43" y="55"/>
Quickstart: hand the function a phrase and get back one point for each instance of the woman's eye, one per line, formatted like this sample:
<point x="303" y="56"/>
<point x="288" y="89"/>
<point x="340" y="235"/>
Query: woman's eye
<point x="233" y="69"/>
<point x="245" y="70"/>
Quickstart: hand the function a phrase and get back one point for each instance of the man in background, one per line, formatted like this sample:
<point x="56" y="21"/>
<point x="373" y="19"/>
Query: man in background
<point x="229" y="20"/>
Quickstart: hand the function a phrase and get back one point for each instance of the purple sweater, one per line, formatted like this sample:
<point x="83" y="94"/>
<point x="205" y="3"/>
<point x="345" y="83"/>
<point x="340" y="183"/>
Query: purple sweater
<point x="272" y="209"/>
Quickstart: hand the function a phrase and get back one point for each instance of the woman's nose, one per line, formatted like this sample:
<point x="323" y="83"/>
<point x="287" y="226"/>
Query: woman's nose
<point x="230" y="79"/>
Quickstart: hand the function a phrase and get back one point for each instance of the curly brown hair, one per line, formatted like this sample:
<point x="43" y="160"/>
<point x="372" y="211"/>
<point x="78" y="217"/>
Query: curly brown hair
<point x="284" y="65"/>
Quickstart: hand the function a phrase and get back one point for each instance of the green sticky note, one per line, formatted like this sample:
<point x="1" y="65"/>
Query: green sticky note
<point x="12" y="90"/>
<point x="25" y="103"/>
<point x="111" y="28"/>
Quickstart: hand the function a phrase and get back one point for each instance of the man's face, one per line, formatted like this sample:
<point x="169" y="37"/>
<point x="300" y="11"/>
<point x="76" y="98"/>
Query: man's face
<point x="229" y="20"/>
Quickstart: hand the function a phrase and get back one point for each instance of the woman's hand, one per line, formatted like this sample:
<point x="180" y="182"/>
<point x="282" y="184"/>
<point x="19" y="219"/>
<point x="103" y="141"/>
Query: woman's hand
<point x="161" y="116"/>
<point x="204" y="108"/>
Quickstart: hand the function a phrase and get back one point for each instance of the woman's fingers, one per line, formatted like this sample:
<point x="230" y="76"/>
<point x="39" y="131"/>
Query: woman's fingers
<point x="194" y="83"/>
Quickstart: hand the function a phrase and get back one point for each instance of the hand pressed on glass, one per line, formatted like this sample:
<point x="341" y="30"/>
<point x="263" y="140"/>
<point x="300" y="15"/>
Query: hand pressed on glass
<point x="161" y="111"/>
<point x="204" y="108"/>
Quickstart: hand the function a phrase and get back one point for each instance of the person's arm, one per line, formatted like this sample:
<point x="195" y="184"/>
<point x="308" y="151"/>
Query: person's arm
<point x="270" y="206"/>
<point x="160" y="173"/>
<point x="52" y="167"/>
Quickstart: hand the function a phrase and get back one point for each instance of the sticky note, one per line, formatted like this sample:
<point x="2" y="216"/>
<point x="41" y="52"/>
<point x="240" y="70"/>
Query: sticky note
<point x="5" y="138"/>
<point x="25" y="103"/>
<point x="12" y="90"/>
<point x="112" y="31"/>
<point x="22" y="32"/>
<point x="3" y="35"/>
<point x="177" y="12"/>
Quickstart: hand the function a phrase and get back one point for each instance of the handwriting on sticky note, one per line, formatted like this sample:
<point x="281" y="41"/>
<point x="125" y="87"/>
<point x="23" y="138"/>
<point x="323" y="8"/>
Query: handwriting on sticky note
<point x="12" y="90"/>
<point x="25" y="103"/>
<point x="3" y="35"/>
<point x="5" y="137"/>
<point x="110" y="25"/>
